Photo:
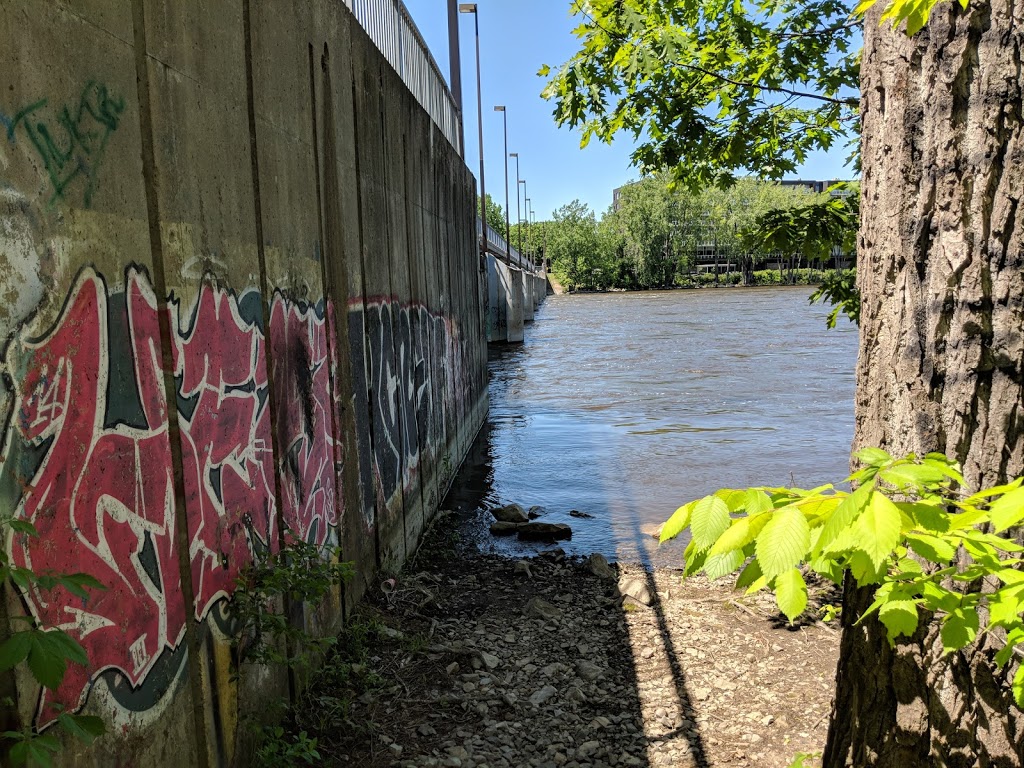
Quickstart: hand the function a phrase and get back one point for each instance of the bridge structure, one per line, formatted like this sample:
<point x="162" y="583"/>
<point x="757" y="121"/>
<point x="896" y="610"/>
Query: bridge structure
<point x="245" y="303"/>
<point x="515" y="285"/>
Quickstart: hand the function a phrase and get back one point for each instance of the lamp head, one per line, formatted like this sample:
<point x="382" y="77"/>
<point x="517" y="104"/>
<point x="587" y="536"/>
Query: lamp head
<point x="467" y="7"/>
<point x="499" y="109"/>
<point x="513" y="154"/>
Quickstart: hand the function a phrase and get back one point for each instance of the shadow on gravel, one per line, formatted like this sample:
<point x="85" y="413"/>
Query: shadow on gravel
<point x="487" y="661"/>
<point x="685" y="723"/>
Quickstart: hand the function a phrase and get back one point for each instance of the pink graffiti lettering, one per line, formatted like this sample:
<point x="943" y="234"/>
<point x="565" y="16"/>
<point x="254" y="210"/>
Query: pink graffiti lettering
<point x="99" y="493"/>
<point x="305" y="421"/>
<point x="102" y="497"/>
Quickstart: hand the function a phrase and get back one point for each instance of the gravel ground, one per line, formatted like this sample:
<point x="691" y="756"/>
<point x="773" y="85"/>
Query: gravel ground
<point x="489" y="662"/>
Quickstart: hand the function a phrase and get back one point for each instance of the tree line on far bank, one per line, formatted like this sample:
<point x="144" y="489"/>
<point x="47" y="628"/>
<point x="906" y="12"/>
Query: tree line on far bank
<point x="749" y="233"/>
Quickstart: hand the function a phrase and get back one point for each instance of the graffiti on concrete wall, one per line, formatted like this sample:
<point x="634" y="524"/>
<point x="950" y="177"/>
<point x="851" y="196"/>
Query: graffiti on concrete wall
<point x="307" y="418"/>
<point x="69" y="140"/>
<point x="413" y="363"/>
<point x="89" y="445"/>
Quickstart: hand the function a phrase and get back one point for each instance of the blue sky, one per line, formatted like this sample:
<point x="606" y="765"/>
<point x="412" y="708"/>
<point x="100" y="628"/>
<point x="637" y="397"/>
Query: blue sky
<point x="516" y="38"/>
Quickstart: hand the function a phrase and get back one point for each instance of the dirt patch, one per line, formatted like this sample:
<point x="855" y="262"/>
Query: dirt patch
<point x="488" y="662"/>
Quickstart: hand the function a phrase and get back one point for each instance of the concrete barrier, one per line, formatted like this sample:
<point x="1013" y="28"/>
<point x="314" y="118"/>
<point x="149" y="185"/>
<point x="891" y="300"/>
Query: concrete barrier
<point x="242" y="299"/>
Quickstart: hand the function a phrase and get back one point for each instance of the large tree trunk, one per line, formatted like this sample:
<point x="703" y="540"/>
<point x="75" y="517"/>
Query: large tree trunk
<point x="942" y="352"/>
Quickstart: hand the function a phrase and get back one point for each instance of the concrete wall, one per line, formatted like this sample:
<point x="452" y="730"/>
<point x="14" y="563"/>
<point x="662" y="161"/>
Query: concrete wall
<point x="242" y="300"/>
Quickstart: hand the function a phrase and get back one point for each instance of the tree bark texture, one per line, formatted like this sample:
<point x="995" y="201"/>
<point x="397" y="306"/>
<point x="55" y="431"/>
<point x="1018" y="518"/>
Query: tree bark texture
<point x="941" y="354"/>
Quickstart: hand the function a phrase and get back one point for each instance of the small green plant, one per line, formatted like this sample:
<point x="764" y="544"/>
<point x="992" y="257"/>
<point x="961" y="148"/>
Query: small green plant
<point x="800" y="759"/>
<point x="264" y="633"/>
<point x="910" y="529"/>
<point x="276" y="747"/>
<point x="46" y="652"/>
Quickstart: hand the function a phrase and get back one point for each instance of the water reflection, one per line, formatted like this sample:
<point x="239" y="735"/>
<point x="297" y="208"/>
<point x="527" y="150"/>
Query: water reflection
<point x="626" y="405"/>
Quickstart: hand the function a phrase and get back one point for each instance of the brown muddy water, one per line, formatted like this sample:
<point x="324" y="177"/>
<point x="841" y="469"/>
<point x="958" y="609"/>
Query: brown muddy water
<point x="625" y="405"/>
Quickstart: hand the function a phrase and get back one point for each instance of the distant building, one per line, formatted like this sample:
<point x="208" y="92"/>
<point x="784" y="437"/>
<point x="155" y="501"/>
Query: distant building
<point x="617" y="195"/>
<point x="817" y="186"/>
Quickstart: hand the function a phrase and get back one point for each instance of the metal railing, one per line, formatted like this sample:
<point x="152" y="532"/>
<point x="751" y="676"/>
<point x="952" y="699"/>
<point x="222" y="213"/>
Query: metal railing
<point x="497" y="246"/>
<point x="393" y="31"/>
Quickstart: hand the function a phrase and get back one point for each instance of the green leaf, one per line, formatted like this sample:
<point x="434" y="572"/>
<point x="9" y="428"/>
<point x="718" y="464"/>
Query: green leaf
<point x="1018" y="686"/>
<point x="863" y="569"/>
<point x="710" y="520"/>
<point x="23" y="526"/>
<point x="15" y="648"/>
<point x="791" y="593"/>
<point x="717" y="566"/>
<point x="899" y="617"/>
<point x="736" y="537"/>
<point x="734" y="500"/>
<point x="784" y="541"/>
<point x="1004" y="607"/>
<point x="1007" y="511"/>
<point x="878" y="529"/>
<point x="929" y="517"/>
<point x="959" y="629"/>
<point x="46" y="660"/>
<point x="1013" y="638"/>
<point x="913" y="475"/>
<point x="873" y="457"/>
<point x="68" y="646"/>
<point x="988" y="493"/>
<point x="756" y="502"/>
<point x="677" y="523"/>
<point x="844" y="515"/>
<point x="86" y="728"/>
<point x="750" y="574"/>
<point x="933" y="548"/>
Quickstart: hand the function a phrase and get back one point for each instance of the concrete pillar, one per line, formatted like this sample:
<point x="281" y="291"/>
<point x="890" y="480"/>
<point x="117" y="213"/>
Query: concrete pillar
<point x="515" y="306"/>
<point x="528" y="304"/>
<point x="497" y="329"/>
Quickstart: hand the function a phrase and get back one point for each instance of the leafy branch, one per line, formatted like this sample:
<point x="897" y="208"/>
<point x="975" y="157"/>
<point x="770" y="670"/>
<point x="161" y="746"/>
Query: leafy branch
<point x="46" y="652"/>
<point x="909" y="528"/>
<point x="265" y="634"/>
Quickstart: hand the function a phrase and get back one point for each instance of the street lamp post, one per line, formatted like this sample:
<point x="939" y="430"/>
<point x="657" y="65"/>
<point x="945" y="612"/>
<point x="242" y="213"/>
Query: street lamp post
<point x="533" y="223"/>
<point x="455" y="66"/>
<point x="519" y="215"/>
<point x="526" y="202"/>
<point x="508" y="227"/>
<point x="522" y="243"/>
<point x="471" y="8"/>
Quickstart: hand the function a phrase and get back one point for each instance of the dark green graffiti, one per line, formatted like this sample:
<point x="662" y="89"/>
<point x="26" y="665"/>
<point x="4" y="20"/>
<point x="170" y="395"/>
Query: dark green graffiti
<point x="71" y="143"/>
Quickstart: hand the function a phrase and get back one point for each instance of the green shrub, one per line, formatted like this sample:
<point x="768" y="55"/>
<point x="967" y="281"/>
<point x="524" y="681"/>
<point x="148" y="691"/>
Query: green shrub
<point x="911" y="529"/>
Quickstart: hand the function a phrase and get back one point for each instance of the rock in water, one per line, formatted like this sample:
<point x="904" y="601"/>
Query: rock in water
<point x="512" y="513"/>
<point x="535" y="512"/>
<point x="581" y="515"/>
<point x="504" y="529"/>
<point x="544" y="532"/>
<point x="598" y="565"/>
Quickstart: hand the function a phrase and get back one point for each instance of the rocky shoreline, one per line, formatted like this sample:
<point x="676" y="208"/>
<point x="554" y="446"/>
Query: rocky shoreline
<point x="489" y="662"/>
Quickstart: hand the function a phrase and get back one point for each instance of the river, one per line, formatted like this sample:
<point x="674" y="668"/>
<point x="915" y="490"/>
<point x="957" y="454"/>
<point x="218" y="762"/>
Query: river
<point x="625" y="405"/>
